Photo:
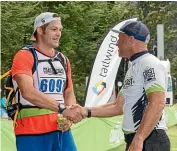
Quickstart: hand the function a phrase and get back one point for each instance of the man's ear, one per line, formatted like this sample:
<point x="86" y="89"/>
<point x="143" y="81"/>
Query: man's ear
<point x="131" y="40"/>
<point x="39" y="31"/>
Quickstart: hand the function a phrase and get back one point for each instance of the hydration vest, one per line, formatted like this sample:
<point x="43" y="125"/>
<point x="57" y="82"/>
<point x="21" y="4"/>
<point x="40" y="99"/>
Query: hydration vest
<point x="14" y="104"/>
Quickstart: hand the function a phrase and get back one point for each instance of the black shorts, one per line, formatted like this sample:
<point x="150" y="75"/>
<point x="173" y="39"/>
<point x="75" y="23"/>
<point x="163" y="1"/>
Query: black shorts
<point x="156" y="141"/>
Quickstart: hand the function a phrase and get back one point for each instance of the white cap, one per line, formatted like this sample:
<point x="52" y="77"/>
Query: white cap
<point x="43" y="19"/>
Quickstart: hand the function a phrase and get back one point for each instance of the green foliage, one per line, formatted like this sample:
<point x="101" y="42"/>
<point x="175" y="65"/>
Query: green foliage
<point x="84" y="27"/>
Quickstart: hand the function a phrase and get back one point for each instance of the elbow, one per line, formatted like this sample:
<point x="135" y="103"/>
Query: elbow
<point x="26" y="94"/>
<point x="118" y="110"/>
<point x="119" y="106"/>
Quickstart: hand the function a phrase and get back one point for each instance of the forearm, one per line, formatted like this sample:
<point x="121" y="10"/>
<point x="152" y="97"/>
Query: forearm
<point x="69" y="97"/>
<point x="107" y="110"/>
<point x="150" y="118"/>
<point x="41" y="100"/>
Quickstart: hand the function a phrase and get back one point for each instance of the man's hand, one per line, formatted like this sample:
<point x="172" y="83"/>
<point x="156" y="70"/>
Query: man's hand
<point x="72" y="114"/>
<point x="137" y="144"/>
<point x="67" y="125"/>
<point x="83" y="110"/>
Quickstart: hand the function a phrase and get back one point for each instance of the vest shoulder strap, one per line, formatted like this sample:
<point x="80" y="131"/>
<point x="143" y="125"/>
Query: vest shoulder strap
<point x="63" y="61"/>
<point x="32" y="50"/>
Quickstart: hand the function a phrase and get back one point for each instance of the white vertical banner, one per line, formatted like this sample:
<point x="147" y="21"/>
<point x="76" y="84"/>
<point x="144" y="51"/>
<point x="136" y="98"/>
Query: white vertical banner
<point x="101" y="81"/>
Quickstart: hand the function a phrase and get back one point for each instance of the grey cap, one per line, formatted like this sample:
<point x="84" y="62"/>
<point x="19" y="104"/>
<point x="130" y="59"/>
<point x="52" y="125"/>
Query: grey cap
<point x="43" y="19"/>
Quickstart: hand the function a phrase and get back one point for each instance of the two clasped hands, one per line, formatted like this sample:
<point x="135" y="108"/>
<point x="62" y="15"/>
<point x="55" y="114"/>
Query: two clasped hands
<point x="74" y="114"/>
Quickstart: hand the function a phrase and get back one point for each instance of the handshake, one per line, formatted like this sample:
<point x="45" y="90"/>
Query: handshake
<point x="76" y="113"/>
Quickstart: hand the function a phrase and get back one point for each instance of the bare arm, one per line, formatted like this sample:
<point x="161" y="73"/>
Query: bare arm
<point x="25" y="84"/>
<point x="152" y="114"/>
<point x="110" y="109"/>
<point x="69" y="96"/>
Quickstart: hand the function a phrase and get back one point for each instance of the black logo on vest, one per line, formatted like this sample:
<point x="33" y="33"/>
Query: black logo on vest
<point x="128" y="82"/>
<point x="149" y="75"/>
<point x="49" y="71"/>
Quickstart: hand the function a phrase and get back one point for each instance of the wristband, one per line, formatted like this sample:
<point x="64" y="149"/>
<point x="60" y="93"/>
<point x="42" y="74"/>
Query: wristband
<point x="89" y="112"/>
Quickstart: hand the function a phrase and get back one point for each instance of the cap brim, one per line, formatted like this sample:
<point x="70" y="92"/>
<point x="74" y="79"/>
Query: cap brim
<point x="121" y="32"/>
<point x="118" y="31"/>
<point x="32" y="37"/>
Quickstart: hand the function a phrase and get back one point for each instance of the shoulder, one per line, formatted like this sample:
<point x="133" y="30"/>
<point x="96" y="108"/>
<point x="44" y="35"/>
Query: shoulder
<point x="24" y="55"/>
<point x="65" y="58"/>
<point x="22" y="63"/>
<point x="22" y="59"/>
<point x="62" y="55"/>
<point x="149" y="60"/>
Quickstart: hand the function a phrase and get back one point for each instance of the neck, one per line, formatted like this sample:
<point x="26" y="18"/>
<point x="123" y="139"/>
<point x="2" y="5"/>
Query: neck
<point x="137" y="47"/>
<point x="44" y="48"/>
